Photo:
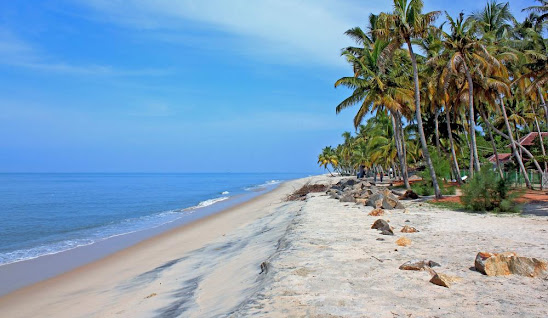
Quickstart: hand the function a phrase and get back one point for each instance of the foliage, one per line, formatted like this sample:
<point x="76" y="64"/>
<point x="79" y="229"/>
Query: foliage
<point x="486" y="69"/>
<point x="486" y="191"/>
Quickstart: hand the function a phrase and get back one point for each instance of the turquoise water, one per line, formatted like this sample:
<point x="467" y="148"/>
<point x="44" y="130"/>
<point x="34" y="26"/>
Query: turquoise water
<point x="44" y="214"/>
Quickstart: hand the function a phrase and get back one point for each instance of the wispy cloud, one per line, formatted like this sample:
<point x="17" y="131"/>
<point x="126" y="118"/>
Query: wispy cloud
<point x="16" y="52"/>
<point x="278" y="30"/>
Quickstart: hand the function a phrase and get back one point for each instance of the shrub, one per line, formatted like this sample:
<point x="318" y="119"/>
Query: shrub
<point x="486" y="191"/>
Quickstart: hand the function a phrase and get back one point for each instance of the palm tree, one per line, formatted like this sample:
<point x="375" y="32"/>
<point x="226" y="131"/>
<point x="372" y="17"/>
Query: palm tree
<point x="328" y="157"/>
<point x="375" y="88"/>
<point x="542" y="9"/>
<point x="495" y="19"/>
<point x="464" y="49"/>
<point x="407" y="22"/>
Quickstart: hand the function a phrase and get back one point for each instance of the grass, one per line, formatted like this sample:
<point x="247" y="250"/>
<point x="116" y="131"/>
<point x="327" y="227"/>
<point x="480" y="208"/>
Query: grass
<point x="450" y="205"/>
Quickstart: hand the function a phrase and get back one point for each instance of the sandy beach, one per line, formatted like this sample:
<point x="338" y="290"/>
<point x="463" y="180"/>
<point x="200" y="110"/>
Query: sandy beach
<point x="319" y="257"/>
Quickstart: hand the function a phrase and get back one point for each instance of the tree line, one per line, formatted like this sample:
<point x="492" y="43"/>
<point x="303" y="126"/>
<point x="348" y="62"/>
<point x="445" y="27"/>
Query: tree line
<point x="464" y="89"/>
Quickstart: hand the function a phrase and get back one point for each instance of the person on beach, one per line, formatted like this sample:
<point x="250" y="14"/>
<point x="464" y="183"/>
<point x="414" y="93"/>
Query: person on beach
<point x="361" y="172"/>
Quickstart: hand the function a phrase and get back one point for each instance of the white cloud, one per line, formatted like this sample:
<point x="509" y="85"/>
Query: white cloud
<point x="280" y="30"/>
<point x="19" y="53"/>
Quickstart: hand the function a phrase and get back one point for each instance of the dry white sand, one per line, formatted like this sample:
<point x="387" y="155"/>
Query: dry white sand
<point x="323" y="261"/>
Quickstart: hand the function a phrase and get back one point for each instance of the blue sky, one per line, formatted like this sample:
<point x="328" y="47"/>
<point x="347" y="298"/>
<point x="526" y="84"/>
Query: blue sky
<point x="176" y="86"/>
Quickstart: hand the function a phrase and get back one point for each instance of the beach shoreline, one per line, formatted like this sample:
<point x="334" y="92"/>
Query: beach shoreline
<point x="311" y="257"/>
<point x="26" y="272"/>
<point x="148" y="254"/>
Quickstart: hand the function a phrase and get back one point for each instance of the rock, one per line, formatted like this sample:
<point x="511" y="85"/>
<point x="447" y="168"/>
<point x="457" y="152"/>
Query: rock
<point x="403" y="241"/>
<point x="388" y="203"/>
<point x="347" y="197"/>
<point x="418" y="265"/>
<point x="525" y="266"/>
<point x="433" y="264"/>
<point x="444" y="280"/>
<point x="380" y="239"/>
<point x="361" y="201"/>
<point x="375" y="200"/>
<point x="407" y="221"/>
<point x="507" y="263"/>
<point x="387" y="231"/>
<point x="380" y="224"/>
<point x="409" y="195"/>
<point x="376" y="212"/>
<point x="409" y="229"/>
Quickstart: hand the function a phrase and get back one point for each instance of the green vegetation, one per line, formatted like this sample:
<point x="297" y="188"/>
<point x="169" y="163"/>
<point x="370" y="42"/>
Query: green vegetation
<point x="423" y="111"/>
<point x="486" y="191"/>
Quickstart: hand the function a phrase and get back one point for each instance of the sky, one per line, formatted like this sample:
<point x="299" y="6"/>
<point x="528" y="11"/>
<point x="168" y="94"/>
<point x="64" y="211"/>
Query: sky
<point x="177" y="86"/>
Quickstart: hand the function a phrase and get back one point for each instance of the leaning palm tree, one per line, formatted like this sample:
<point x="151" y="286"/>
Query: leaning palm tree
<point x="405" y="23"/>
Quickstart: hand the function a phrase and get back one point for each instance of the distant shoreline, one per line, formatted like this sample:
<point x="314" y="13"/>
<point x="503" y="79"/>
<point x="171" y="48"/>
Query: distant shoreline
<point x="21" y="274"/>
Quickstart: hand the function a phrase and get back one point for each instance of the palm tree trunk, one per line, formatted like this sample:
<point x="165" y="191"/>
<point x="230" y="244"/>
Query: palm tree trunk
<point x="405" y="173"/>
<point x="499" y="167"/>
<point x="513" y="145"/>
<point x="472" y="121"/>
<point x="540" y="137"/>
<point x="521" y="147"/>
<point x="471" y="164"/>
<point x="437" y="130"/>
<point x="399" y="148"/>
<point x="418" y="114"/>
<point x="543" y="105"/>
<point x="452" y="144"/>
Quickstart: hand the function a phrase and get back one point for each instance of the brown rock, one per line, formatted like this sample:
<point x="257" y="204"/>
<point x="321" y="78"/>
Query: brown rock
<point x="525" y="266"/>
<point x="444" y="280"/>
<point x="380" y="224"/>
<point x="409" y="229"/>
<point x="403" y="241"/>
<point x="376" y="212"/>
<point x="409" y="194"/>
<point x="493" y="264"/>
<point x="508" y="263"/>
<point x="361" y="201"/>
<point x="418" y="265"/>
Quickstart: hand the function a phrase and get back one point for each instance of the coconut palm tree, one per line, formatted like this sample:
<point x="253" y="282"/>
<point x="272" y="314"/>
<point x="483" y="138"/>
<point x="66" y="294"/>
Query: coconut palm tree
<point x="328" y="157"/>
<point x="542" y="9"/>
<point x="464" y="50"/>
<point x="376" y="88"/>
<point x="405" y="23"/>
<point x="495" y="19"/>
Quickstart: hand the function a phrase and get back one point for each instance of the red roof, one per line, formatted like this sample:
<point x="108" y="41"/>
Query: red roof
<point x="503" y="157"/>
<point x="529" y="139"/>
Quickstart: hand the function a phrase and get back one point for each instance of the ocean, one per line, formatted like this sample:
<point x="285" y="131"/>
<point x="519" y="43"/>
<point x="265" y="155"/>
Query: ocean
<point x="47" y="213"/>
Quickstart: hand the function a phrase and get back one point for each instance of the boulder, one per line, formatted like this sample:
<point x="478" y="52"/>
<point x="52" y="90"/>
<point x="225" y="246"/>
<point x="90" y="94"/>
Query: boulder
<point x="418" y="265"/>
<point x="347" y="197"/>
<point x="403" y="241"/>
<point x="444" y="280"/>
<point x="507" y="263"/>
<point x="375" y="200"/>
<point x="361" y="201"/>
<point x="409" y="229"/>
<point x="409" y="195"/>
<point x="380" y="224"/>
<point x="390" y="203"/>
<point x="376" y="212"/>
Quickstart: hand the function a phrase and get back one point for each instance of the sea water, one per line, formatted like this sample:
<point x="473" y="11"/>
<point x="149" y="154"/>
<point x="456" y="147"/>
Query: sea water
<point x="42" y="214"/>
